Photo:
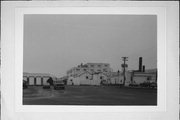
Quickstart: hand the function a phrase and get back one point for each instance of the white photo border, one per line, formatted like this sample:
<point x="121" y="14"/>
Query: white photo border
<point x="161" y="44"/>
<point x="12" y="54"/>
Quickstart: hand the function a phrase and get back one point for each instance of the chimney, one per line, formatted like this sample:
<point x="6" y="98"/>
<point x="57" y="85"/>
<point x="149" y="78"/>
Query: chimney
<point x="143" y="68"/>
<point x="140" y="64"/>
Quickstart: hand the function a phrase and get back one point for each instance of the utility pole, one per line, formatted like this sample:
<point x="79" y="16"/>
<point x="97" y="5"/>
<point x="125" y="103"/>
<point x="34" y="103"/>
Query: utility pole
<point x="118" y="75"/>
<point x="124" y="66"/>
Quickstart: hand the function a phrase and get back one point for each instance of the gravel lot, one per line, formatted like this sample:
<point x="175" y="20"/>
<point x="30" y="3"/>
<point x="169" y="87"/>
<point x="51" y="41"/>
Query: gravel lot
<point x="89" y="95"/>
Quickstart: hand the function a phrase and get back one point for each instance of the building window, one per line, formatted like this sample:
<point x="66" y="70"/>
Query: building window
<point x="149" y="78"/>
<point x="84" y="69"/>
<point x="92" y="65"/>
<point x="106" y="65"/>
<point x="101" y="77"/>
<point x="87" y="77"/>
<point x="99" y="65"/>
<point x="105" y="70"/>
<point x="99" y="70"/>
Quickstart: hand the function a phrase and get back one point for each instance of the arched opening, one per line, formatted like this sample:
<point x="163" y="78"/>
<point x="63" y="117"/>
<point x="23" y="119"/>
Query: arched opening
<point x="38" y="80"/>
<point x="31" y="80"/>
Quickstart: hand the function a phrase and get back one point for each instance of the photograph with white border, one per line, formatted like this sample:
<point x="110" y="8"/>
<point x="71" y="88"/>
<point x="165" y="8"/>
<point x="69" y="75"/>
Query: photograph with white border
<point x="18" y="43"/>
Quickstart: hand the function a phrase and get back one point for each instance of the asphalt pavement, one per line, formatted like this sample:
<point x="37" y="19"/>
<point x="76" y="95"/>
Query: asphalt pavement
<point x="89" y="95"/>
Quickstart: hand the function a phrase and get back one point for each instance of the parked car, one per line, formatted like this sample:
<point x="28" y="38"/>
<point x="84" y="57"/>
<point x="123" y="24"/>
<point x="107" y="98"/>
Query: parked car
<point x="59" y="86"/>
<point x="153" y="85"/>
<point x="145" y="84"/>
<point x="46" y="86"/>
<point x="133" y="85"/>
<point x="149" y="85"/>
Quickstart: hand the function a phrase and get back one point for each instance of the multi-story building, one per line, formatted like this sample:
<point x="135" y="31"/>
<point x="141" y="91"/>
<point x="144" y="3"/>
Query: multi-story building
<point x="99" y="68"/>
<point x="90" y="67"/>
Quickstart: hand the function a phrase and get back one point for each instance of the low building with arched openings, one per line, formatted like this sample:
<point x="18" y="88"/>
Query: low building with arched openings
<point x="37" y="79"/>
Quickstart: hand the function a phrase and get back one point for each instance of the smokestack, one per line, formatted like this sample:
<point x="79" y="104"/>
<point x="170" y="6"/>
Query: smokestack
<point x="140" y="64"/>
<point x="143" y="68"/>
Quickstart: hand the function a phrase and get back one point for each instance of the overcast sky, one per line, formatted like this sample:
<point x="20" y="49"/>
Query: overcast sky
<point x="55" y="43"/>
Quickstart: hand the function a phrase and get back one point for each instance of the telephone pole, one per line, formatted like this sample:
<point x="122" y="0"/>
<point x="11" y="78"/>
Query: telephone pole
<point x="124" y="65"/>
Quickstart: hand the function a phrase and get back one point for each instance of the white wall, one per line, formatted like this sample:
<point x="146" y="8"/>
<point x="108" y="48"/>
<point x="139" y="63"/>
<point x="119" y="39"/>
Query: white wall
<point x="84" y="80"/>
<point x="117" y="80"/>
<point x="31" y="80"/>
<point x="38" y="81"/>
<point x="70" y="81"/>
<point x="139" y="80"/>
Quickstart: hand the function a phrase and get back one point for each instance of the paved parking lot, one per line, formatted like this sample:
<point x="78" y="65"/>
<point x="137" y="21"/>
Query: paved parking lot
<point x="89" y="95"/>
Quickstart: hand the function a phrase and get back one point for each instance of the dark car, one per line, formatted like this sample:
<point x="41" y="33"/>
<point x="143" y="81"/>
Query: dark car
<point x="46" y="86"/>
<point x="145" y="84"/>
<point x="153" y="85"/>
<point x="59" y="86"/>
<point x="133" y="85"/>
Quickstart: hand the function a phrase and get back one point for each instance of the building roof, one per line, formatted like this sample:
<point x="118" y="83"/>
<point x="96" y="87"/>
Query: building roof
<point x="97" y="63"/>
<point x="84" y="73"/>
<point x="97" y="73"/>
<point x="38" y="74"/>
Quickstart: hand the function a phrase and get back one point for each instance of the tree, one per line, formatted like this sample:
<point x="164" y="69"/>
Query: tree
<point x="50" y="81"/>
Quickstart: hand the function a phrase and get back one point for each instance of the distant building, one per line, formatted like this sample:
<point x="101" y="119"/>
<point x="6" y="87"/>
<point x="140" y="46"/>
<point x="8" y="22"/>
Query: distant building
<point x="146" y="76"/>
<point x="90" y="67"/>
<point x="88" y="78"/>
<point x="101" y="73"/>
<point x="81" y="79"/>
<point x="89" y="74"/>
<point x="137" y="77"/>
<point x="37" y="78"/>
<point x="141" y="75"/>
<point x="116" y="78"/>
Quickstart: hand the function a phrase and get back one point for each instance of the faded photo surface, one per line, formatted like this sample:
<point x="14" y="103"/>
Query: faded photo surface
<point x="90" y="60"/>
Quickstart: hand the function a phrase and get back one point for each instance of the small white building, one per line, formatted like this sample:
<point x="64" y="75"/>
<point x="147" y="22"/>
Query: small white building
<point x="37" y="79"/>
<point x="144" y="77"/>
<point x="116" y="80"/>
<point x="136" y="77"/>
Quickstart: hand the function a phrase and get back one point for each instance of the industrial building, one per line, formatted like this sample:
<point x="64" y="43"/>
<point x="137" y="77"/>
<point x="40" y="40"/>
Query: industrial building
<point x="89" y="74"/>
<point x="141" y="75"/>
<point x="91" y="68"/>
<point x="88" y="78"/>
<point x="97" y="74"/>
<point x="116" y="78"/>
<point x="37" y="78"/>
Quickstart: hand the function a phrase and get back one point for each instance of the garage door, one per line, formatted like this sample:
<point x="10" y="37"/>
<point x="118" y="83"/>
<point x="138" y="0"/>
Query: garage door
<point x="38" y="81"/>
<point x="31" y="80"/>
